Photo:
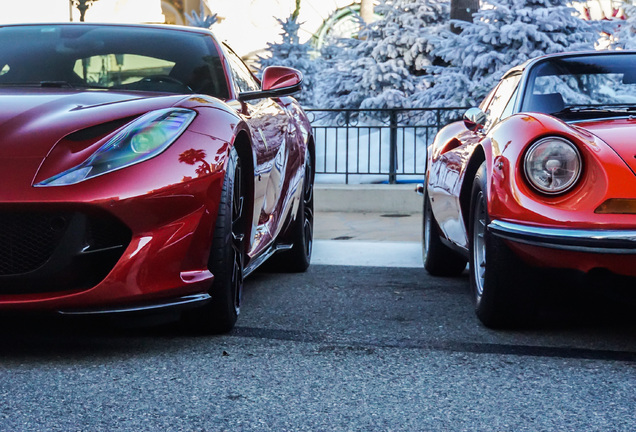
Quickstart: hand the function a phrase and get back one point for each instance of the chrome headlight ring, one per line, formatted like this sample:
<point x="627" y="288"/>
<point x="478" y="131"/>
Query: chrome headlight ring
<point x="553" y="165"/>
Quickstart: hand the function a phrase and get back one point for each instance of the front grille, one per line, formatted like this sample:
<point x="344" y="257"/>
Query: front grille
<point x="105" y="233"/>
<point x="27" y="240"/>
<point x="46" y="251"/>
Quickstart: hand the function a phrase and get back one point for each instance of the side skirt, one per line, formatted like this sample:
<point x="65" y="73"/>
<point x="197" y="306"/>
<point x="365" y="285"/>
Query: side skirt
<point x="256" y="262"/>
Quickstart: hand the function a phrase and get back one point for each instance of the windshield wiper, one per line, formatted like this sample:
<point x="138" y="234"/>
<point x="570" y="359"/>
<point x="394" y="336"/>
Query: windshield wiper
<point x="618" y="108"/>
<point x="54" y="84"/>
<point x="590" y="112"/>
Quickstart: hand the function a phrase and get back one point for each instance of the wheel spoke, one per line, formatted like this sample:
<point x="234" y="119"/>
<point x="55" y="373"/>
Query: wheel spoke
<point x="237" y="273"/>
<point x="238" y="236"/>
<point x="237" y="210"/>
<point x="309" y="187"/>
<point x="479" y="244"/>
<point x="308" y="238"/>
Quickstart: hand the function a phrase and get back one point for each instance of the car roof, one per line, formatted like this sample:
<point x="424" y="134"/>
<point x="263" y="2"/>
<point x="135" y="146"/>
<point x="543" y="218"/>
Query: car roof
<point x="170" y="27"/>
<point x="531" y="62"/>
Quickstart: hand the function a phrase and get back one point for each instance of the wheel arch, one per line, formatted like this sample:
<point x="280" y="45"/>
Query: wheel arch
<point x="478" y="157"/>
<point x="243" y="146"/>
<point x="311" y="147"/>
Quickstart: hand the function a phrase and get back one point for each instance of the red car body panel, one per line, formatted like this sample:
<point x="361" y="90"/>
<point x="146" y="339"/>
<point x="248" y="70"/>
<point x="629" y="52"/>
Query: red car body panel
<point x="169" y="203"/>
<point x="609" y="167"/>
<point x="606" y="175"/>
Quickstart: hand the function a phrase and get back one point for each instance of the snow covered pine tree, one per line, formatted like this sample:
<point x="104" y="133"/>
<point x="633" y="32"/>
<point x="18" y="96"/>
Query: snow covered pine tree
<point x="383" y="67"/>
<point x="503" y="34"/>
<point x="291" y="52"/>
<point x="201" y="19"/>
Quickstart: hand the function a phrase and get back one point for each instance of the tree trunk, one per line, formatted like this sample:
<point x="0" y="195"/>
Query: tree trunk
<point x="463" y="10"/>
<point x="366" y="11"/>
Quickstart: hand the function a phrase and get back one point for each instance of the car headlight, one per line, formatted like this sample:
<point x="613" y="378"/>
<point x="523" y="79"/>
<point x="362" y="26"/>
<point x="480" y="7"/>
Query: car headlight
<point x="553" y="165"/>
<point x="140" y="140"/>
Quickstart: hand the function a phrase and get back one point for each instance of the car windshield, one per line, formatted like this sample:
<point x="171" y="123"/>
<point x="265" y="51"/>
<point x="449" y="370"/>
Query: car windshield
<point x="583" y="86"/>
<point x="111" y="57"/>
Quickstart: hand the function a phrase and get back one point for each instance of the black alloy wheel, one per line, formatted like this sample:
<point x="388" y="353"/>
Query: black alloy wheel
<point x="227" y="257"/>
<point x="301" y="231"/>
<point x="501" y="284"/>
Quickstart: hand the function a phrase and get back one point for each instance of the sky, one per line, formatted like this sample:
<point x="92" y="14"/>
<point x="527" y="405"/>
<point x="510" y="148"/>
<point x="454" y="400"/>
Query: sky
<point x="246" y="24"/>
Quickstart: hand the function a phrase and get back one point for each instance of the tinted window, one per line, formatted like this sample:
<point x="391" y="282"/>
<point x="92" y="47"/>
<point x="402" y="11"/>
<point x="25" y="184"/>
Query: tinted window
<point x="131" y="58"/>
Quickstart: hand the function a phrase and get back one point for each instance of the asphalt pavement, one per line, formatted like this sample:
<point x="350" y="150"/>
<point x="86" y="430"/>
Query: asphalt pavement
<point x="338" y="348"/>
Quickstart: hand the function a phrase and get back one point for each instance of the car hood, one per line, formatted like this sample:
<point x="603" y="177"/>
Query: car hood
<point x="32" y="121"/>
<point x="619" y="134"/>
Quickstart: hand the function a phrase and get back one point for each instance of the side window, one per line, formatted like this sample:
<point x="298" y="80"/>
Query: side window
<point x="502" y="100"/>
<point x="241" y="75"/>
<point x="507" y="112"/>
<point x="484" y="103"/>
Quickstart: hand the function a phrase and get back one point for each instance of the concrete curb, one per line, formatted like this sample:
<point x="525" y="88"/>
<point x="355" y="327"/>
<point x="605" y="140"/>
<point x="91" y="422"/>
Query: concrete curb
<point x="374" y="198"/>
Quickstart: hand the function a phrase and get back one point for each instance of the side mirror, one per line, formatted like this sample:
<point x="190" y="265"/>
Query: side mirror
<point x="277" y="81"/>
<point x="474" y="118"/>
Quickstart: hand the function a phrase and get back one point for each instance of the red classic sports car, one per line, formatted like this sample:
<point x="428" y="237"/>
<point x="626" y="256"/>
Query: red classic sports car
<point x="144" y="167"/>
<point x="540" y="176"/>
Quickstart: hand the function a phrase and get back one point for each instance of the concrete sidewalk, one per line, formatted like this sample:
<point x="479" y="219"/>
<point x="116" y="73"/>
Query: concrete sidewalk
<point x="369" y="198"/>
<point x="367" y="239"/>
<point x="362" y="226"/>
<point x="367" y="225"/>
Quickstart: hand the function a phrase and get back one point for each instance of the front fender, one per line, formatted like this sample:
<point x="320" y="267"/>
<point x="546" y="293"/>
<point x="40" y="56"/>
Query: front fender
<point x="512" y="199"/>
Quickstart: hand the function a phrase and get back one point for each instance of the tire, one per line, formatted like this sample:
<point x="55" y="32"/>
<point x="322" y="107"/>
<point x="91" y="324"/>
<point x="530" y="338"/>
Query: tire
<point x="226" y="257"/>
<point x="439" y="259"/>
<point x="501" y="284"/>
<point x="301" y="231"/>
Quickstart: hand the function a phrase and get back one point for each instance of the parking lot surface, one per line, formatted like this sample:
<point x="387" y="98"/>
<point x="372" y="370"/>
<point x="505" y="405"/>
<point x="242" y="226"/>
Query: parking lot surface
<point x="339" y="348"/>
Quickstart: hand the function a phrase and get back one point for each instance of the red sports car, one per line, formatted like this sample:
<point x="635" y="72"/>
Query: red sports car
<point x="145" y="167"/>
<point x="540" y="176"/>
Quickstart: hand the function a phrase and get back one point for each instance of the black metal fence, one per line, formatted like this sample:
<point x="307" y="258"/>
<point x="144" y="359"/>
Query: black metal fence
<point x="376" y="145"/>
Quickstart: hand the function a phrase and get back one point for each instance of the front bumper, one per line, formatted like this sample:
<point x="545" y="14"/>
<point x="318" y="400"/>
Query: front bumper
<point x="596" y="241"/>
<point x="144" y="252"/>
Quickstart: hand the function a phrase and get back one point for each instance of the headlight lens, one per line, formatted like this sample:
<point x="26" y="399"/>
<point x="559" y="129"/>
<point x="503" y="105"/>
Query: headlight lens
<point x="143" y="139"/>
<point x="553" y="165"/>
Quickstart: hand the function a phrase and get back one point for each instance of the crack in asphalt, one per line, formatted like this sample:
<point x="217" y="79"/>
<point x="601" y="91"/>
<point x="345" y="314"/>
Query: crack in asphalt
<point x="447" y="346"/>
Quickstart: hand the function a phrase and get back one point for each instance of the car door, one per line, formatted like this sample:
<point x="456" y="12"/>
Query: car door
<point x="269" y="125"/>
<point x="449" y="170"/>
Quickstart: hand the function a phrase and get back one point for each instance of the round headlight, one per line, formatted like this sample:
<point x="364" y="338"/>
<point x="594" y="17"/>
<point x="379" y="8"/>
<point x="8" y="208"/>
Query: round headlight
<point x="553" y="165"/>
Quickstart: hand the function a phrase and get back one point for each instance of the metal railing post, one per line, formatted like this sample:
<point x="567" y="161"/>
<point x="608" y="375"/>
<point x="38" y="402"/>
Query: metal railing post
<point x="393" y="123"/>
<point x="347" y="121"/>
<point x="374" y="122"/>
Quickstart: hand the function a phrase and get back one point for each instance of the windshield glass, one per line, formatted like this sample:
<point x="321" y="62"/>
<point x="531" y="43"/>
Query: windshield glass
<point x="580" y="83"/>
<point x="114" y="57"/>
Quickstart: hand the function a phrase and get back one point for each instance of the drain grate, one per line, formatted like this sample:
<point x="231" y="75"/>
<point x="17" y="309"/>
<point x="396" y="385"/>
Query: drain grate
<point x="342" y="238"/>
<point x="395" y="215"/>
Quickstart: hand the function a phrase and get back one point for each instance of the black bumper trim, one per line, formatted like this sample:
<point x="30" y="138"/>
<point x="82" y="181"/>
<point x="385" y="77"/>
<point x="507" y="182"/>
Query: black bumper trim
<point x="186" y="302"/>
